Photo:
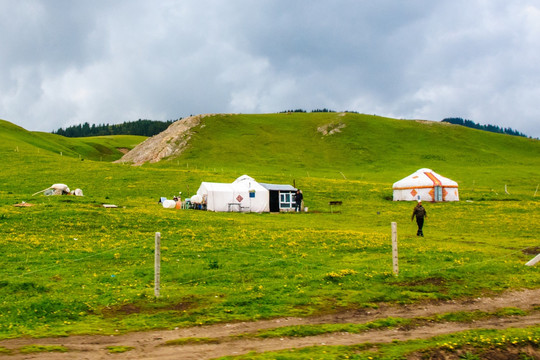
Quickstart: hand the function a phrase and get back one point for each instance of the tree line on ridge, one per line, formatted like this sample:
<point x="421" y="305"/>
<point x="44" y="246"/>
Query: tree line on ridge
<point x="139" y="127"/>
<point x="490" y="128"/>
<point x="153" y="127"/>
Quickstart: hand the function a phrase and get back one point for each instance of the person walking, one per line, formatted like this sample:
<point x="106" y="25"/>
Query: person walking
<point x="420" y="214"/>
<point x="298" y="200"/>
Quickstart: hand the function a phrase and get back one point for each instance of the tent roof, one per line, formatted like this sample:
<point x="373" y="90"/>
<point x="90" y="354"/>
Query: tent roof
<point x="278" y="187"/>
<point x="243" y="178"/>
<point x="423" y="178"/>
<point x="243" y="183"/>
<point x="212" y="186"/>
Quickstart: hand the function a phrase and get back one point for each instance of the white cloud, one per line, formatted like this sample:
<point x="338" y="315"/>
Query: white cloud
<point x="64" y="63"/>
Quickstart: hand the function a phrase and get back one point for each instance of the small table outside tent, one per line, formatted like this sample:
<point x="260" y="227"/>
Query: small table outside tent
<point x="230" y="206"/>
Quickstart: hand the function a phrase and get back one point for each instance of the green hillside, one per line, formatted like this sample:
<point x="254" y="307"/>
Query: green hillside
<point x="287" y="147"/>
<point x="71" y="266"/>
<point x="370" y="148"/>
<point x="101" y="148"/>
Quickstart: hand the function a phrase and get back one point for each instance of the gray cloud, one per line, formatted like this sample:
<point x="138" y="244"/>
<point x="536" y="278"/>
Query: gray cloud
<point x="67" y="62"/>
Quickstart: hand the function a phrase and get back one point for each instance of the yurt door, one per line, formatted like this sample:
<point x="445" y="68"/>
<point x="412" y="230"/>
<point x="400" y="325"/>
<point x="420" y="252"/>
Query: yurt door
<point x="438" y="193"/>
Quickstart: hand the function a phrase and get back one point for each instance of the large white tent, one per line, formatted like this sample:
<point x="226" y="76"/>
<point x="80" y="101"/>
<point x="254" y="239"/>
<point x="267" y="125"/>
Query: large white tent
<point x="244" y="194"/>
<point x="425" y="185"/>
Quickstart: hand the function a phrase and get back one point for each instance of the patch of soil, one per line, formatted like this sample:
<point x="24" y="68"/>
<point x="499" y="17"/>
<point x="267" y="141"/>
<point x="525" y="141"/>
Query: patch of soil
<point x="125" y="309"/>
<point x="23" y="204"/>
<point x="180" y="306"/>
<point x="149" y="345"/>
<point x="532" y="250"/>
<point x="511" y="353"/>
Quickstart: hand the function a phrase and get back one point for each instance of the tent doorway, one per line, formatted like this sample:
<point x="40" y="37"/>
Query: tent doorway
<point x="274" y="201"/>
<point x="438" y="194"/>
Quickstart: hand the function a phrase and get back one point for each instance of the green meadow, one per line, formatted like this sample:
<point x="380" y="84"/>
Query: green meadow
<point x="71" y="266"/>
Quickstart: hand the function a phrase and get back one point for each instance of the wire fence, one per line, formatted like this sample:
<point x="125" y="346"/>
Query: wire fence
<point x="263" y="260"/>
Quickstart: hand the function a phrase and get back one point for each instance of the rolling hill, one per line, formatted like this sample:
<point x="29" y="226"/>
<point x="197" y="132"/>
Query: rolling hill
<point x="100" y="148"/>
<point x="347" y="145"/>
<point x="285" y="147"/>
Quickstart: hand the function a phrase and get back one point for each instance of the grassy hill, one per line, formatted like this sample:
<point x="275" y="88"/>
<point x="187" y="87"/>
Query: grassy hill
<point x="289" y="147"/>
<point x="101" y="148"/>
<point x="72" y="266"/>
<point x="284" y="147"/>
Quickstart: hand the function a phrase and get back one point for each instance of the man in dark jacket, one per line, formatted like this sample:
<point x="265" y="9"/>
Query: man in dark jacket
<point x="298" y="200"/>
<point x="420" y="214"/>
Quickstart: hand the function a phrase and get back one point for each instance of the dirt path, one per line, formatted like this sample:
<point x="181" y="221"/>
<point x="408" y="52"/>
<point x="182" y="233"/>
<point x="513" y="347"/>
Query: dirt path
<point x="149" y="345"/>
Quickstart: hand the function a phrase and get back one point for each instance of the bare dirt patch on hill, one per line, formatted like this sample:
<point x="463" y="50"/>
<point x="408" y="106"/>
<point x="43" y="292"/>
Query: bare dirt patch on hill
<point x="151" y="344"/>
<point x="170" y="142"/>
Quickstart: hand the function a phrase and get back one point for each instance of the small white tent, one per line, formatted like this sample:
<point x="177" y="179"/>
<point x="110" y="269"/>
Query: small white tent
<point x="244" y="194"/>
<point x="425" y="185"/>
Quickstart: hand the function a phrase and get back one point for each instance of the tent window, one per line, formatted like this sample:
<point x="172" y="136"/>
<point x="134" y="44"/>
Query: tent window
<point x="285" y="200"/>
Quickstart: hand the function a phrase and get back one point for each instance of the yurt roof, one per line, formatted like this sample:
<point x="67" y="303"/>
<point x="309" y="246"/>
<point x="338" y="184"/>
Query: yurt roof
<point x="424" y="178"/>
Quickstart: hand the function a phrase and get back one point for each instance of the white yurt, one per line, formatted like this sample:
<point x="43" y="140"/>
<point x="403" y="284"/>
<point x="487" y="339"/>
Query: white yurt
<point x="425" y="185"/>
<point x="243" y="195"/>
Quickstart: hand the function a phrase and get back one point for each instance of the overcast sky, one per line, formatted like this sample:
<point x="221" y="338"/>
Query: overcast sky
<point x="66" y="62"/>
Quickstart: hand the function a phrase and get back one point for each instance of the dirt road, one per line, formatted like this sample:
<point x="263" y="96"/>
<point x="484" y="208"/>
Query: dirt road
<point x="150" y="345"/>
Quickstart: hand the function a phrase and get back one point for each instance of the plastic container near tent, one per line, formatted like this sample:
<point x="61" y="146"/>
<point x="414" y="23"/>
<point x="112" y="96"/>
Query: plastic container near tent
<point x="77" y="192"/>
<point x="169" y="204"/>
<point x="425" y="185"/>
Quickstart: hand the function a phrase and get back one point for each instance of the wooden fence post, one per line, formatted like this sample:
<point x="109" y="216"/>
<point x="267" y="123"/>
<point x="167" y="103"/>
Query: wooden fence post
<point x="395" y="249"/>
<point x="157" y="264"/>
